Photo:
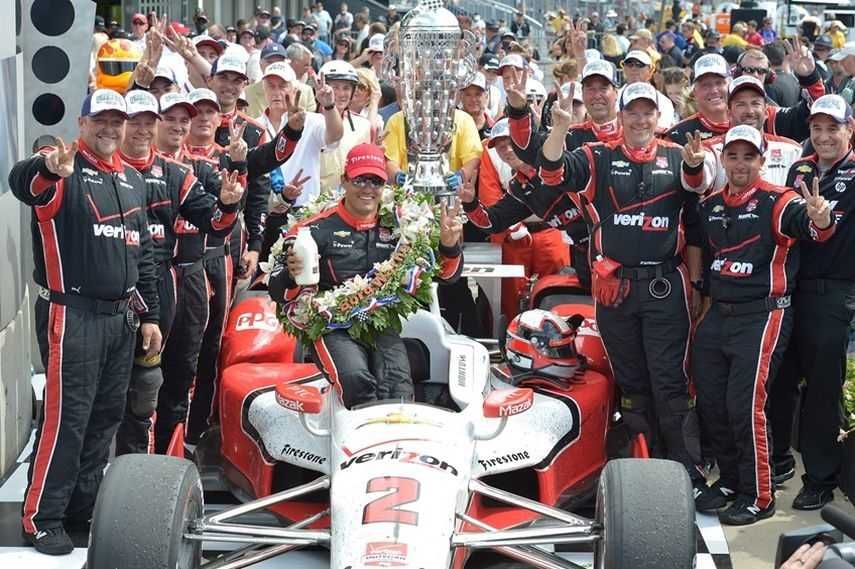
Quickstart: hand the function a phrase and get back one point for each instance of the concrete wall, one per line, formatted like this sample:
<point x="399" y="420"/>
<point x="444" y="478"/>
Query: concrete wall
<point x="15" y="256"/>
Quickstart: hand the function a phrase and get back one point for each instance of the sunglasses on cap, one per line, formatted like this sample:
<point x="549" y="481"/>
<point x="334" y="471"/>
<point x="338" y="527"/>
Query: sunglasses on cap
<point x="362" y="182"/>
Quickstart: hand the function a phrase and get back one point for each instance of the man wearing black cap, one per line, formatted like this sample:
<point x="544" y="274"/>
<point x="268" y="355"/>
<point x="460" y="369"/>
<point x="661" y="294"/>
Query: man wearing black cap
<point x="94" y="266"/>
<point x="520" y="27"/>
<point x="492" y="40"/>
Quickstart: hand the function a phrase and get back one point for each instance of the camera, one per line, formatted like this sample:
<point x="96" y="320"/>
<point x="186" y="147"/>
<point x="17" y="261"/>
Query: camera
<point x="840" y="554"/>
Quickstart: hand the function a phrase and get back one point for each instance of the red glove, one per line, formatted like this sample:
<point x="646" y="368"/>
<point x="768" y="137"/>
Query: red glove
<point x="609" y="289"/>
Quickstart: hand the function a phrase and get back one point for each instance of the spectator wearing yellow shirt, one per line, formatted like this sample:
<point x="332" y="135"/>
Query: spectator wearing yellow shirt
<point x="736" y="37"/>
<point x="464" y="153"/>
<point x="837" y="31"/>
<point x="643" y="39"/>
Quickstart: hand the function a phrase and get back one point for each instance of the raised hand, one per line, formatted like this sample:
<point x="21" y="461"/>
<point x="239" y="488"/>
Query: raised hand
<point x="693" y="152"/>
<point x="514" y="81"/>
<point x="579" y="40"/>
<point x="450" y="226"/>
<point x="296" y="115"/>
<point x="143" y="74"/>
<point x="818" y="208"/>
<point x="566" y="103"/>
<point x="799" y="57"/>
<point x="294" y="188"/>
<point x="153" y="47"/>
<point x="562" y="110"/>
<point x="466" y="193"/>
<point x="179" y="44"/>
<point x="231" y="189"/>
<point x="237" y="145"/>
<point x="60" y="161"/>
<point x="324" y="94"/>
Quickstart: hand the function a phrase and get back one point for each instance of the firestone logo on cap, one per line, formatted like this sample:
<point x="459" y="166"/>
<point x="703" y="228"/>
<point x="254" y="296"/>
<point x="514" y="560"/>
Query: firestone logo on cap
<point x="635" y="91"/>
<point x="711" y="63"/>
<point x="747" y="134"/>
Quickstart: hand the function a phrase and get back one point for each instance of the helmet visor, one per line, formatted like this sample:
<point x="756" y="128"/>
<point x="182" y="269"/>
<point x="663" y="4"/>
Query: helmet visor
<point x="116" y="67"/>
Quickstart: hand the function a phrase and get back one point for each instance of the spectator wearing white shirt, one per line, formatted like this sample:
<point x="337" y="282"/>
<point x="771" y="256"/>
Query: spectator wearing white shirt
<point x="298" y="180"/>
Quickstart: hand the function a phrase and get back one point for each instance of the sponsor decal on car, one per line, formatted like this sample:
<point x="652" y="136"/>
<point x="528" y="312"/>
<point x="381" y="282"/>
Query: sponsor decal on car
<point x="257" y="321"/>
<point x="504" y="459"/>
<point x="385" y="554"/>
<point x="401" y="455"/>
<point x="397" y="419"/>
<point x="288" y="450"/>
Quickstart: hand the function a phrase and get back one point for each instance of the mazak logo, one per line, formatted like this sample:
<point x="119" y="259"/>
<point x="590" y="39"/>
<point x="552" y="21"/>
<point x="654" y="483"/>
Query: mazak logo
<point x="737" y="269"/>
<point x="290" y="404"/>
<point x="514" y="408"/>
<point x="130" y="236"/>
<point x="157" y="231"/>
<point x="385" y="554"/>
<point x="401" y="455"/>
<point x="257" y="321"/>
<point x="645" y="222"/>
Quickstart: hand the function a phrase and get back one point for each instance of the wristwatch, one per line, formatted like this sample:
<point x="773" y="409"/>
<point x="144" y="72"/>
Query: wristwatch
<point x="329" y="107"/>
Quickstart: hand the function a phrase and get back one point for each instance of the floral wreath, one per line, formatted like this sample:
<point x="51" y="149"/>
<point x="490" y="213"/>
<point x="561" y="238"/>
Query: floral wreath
<point x="368" y="305"/>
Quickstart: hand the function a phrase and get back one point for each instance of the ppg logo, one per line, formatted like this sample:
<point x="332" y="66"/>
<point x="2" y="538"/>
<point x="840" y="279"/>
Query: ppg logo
<point x="257" y="321"/>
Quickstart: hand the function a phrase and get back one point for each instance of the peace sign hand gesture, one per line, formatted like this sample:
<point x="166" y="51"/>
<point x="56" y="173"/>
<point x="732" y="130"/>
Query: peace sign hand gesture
<point x="60" y="161"/>
<point x="799" y="57"/>
<point x="231" y="189"/>
<point x="324" y="94"/>
<point x="450" y="226"/>
<point x="296" y="115"/>
<point x="514" y="80"/>
<point x="294" y="188"/>
<point x="693" y="152"/>
<point x="237" y="145"/>
<point x="818" y="208"/>
<point x="466" y="193"/>
<point x="578" y="40"/>
<point x="562" y="109"/>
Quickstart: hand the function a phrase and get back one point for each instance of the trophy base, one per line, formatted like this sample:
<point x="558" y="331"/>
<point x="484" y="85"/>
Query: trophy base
<point x="428" y="173"/>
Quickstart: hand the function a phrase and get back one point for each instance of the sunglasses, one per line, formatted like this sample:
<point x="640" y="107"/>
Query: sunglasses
<point x="634" y="64"/>
<point x="754" y="70"/>
<point x="362" y="182"/>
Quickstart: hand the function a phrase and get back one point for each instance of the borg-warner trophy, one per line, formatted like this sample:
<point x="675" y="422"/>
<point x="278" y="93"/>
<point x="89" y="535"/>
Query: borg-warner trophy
<point x="430" y="59"/>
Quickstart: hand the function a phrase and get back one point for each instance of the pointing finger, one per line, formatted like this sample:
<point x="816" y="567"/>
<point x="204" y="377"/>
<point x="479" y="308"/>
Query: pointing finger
<point x="804" y="190"/>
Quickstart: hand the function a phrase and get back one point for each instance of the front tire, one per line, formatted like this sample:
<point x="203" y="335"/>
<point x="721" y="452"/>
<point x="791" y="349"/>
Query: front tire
<point x="144" y="506"/>
<point x="647" y="512"/>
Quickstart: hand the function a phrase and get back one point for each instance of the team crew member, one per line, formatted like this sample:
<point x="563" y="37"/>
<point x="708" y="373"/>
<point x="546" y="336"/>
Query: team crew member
<point x="638" y="67"/>
<point x="633" y="194"/>
<point x="599" y="94"/>
<point x="752" y="228"/>
<point x="823" y="311"/>
<point x="525" y="238"/>
<point x="172" y="189"/>
<point x="363" y="373"/>
<point x="88" y="211"/>
<point x="216" y="258"/>
<point x="746" y="102"/>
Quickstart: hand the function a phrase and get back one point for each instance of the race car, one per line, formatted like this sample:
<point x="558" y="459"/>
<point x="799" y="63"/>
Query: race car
<point x="485" y="469"/>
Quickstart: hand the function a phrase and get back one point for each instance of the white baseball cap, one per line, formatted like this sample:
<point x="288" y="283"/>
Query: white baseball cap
<point x="745" y="82"/>
<point x="280" y="69"/>
<point x="601" y="68"/>
<point x="103" y="100"/>
<point x="535" y="88"/>
<point x="577" y="90"/>
<point x="512" y="60"/>
<point x="711" y="63"/>
<point x="593" y="55"/>
<point x="501" y="129"/>
<point x="197" y="96"/>
<point x="636" y="91"/>
<point x="639" y="55"/>
<point x="834" y="106"/>
<point x="747" y="134"/>
<point x="164" y="72"/>
<point x="376" y="42"/>
<point x="229" y="62"/>
<point x="138" y="102"/>
<point x="171" y="100"/>
<point x="478" y="80"/>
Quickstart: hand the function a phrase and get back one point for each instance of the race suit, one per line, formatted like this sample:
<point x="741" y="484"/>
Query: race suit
<point x="172" y="190"/>
<point x="526" y="239"/>
<point x="93" y="262"/>
<point x="219" y="259"/>
<point x="633" y="201"/>
<point x="350" y="246"/>
<point x="823" y="303"/>
<point x="740" y="341"/>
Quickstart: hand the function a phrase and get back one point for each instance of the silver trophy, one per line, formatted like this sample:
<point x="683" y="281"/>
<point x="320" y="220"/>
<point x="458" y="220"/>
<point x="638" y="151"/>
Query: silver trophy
<point x="430" y="59"/>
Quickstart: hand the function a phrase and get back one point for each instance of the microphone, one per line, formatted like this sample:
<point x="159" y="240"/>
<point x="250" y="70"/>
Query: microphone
<point x="839" y="519"/>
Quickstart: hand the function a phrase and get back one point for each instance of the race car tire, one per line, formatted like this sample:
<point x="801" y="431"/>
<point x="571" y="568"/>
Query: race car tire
<point x="647" y="512"/>
<point x="144" y="506"/>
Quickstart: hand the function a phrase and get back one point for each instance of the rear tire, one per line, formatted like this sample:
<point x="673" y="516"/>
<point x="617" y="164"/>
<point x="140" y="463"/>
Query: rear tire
<point x="144" y="506"/>
<point x="647" y="512"/>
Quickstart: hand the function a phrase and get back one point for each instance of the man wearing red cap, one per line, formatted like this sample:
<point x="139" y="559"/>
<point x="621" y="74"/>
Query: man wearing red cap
<point x="350" y="240"/>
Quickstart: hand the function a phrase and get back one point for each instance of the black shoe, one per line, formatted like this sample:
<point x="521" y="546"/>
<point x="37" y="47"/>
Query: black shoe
<point x="743" y="512"/>
<point x="714" y="497"/>
<point x="51" y="541"/>
<point x="783" y="469"/>
<point x="812" y="498"/>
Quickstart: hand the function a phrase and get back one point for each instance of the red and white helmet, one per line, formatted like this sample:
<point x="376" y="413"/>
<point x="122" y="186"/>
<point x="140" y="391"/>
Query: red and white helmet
<point x="542" y="342"/>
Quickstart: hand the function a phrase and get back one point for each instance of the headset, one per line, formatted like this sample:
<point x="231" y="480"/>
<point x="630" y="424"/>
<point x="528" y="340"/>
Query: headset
<point x="770" y="75"/>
